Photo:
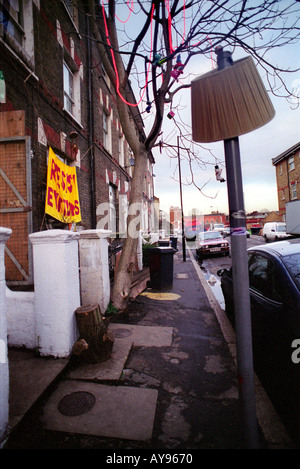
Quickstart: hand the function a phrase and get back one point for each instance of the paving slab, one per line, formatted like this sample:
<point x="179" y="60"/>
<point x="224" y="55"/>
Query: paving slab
<point x="143" y="336"/>
<point x="117" y="411"/>
<point x="126" y="336"/>
<point x="109" y="370"/>
<point x="29" y="376"/>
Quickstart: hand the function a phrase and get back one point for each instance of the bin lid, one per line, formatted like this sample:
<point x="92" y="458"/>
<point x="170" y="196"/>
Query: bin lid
<point x="162" y="249"/>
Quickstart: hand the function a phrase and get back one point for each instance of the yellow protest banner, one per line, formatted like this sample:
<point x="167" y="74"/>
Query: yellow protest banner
<point x="62" y="199"/>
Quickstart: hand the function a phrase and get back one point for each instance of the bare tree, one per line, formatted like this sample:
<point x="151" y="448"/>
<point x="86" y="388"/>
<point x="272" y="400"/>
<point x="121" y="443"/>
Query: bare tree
<point x="156" y="56"/>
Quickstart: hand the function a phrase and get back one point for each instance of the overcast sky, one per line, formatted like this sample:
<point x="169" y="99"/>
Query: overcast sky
<point x="256" y="148"/>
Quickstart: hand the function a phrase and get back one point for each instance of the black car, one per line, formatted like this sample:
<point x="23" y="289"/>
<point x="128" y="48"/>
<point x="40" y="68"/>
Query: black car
<point x="274" y="279"/>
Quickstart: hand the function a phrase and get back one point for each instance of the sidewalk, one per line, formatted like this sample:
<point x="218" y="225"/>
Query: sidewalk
<point x="169" y="384"/>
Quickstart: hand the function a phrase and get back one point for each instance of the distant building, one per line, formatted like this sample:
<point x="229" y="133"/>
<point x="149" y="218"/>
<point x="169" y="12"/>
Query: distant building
<point x="215" y="217"/>
<point x="175" y="217"/>
<point x="198" y="222"/>
<point x="287" y="166"/>
<point x="255" y="220"/>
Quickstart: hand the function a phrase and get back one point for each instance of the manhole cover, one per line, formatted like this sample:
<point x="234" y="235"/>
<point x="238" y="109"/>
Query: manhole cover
<point x="120" y="333"/>
<point x="76" y="403"/>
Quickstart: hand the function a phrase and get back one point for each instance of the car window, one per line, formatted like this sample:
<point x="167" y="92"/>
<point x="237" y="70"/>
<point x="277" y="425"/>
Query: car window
<point x="210" y="235"/>
<point x="264" y="278"/>
<point x="292" y="263"/>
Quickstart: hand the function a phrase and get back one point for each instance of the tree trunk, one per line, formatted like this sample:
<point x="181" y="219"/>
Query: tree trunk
<point x="96" y="342"/>
<point x="123" y="279"/>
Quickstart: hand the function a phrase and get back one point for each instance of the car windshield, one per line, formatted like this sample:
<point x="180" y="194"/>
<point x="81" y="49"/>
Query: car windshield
<point x="210" y="235"/>
<point x="292" y="263"/>
<point x="281" y="228"/>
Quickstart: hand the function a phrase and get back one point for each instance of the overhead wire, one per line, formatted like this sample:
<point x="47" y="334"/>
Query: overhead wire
<point x="114" y="60"/>
<point x="130" y="4"/>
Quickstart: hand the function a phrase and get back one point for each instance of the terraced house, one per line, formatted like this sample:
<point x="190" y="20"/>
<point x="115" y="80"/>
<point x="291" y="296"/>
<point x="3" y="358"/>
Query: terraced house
<point x="54" y="93"/>
<point x="287" y="166"/>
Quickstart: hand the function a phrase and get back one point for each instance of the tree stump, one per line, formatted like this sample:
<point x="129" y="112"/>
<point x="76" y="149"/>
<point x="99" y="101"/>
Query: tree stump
<point x="96" y="341"/>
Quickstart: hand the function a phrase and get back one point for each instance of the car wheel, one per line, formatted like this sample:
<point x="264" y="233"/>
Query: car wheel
<point x="266" y="239"/>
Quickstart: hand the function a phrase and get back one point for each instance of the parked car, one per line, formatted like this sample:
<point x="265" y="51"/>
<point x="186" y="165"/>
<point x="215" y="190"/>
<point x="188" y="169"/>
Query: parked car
<point x="210" y="243"/>
<point x="274" y="280"/>
<point x="274" y="231"/>
<point x="219" y="227"/>
<point x="226" y="232"/>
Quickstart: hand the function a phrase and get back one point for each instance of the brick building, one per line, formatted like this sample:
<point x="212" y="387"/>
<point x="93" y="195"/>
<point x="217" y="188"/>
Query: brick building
<point x="176" y="217"/>
<point x="287" y="166"/>
<point x="54" y="92"/>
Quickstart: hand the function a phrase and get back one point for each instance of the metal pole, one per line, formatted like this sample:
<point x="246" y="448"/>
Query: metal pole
<point x="240" y="277"/>
<point x="182" y="217"/>
<point x="241" y="291"/>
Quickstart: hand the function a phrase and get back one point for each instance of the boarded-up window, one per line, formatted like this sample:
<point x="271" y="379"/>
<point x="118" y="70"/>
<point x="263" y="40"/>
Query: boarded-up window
<point x="15" y="207"/>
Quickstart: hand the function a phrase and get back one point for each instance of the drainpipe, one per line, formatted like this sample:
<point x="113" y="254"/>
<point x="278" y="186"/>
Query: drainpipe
<point x="91" y="126"/>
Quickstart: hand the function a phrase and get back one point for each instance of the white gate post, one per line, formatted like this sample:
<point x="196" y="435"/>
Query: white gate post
<point x="4" y="370"/>
<point x="94" y="268"/>
<point x="57" y="290"/>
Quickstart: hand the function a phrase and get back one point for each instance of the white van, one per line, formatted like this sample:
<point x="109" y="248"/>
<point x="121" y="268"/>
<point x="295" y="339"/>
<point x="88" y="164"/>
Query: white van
<point x="274" y="231"/>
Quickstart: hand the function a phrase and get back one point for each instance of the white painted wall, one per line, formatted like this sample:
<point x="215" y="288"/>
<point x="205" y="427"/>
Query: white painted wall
<point x="21" y="319"/>
<point x="4" y="371"/>
<point x="57" y="292"/>
<point x="94" y="268"/>
<point x="45" y="318"/>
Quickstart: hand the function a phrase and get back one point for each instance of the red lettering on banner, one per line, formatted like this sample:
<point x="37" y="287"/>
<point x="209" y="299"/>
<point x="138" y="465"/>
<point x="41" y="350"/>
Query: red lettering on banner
<point x="76" y="207"/>
<point x="63" y="185"/>
<point x="56" y="201"/>
<point x="69" y="182"/>
<point x="55" y="170"/>
<point x="49" y="196"/>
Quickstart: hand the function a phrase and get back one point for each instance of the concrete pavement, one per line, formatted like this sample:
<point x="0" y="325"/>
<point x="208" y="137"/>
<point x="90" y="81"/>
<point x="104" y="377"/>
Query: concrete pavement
<point x="171" y="382"/>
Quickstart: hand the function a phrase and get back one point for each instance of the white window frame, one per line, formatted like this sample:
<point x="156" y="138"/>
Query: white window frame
<point x="68" y="89"/>
<point x="291" y="163"/>
<point x="112" y="208"/>
<point x="106" y="131"/>
<point x="72" y="100"/>
<point x="19" y="34"/>
<point x="121" y="151"/>
<point x="294" y="190"/>
<point x="72" y="10"/>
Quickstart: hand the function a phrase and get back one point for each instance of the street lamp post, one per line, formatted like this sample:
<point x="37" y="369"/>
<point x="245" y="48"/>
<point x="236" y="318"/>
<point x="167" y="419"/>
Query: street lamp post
<point x="182" y="216"/>
<point x="226" y="103"/>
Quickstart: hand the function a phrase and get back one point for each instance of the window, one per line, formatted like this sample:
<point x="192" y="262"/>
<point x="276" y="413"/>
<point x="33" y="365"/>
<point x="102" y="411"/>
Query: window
<point x="293" y="190"/>
<point x="68" y="89"/>
<point x="291" y="163"/>
<point x="105" y="130"/>
<point x="16" y="28"/>
<point x="121" y="150"/>
<point x="292" y="263"/>
<point x="11" y="18"/>
<point x="71" y="80"/>
<point x="112" y="208"/>
<point x="280" y="170"/>
<point x="105" y="76"/>
<point x="72" y="10"/>
<point x="263" y="277"/>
